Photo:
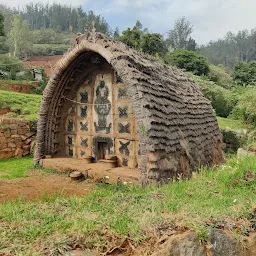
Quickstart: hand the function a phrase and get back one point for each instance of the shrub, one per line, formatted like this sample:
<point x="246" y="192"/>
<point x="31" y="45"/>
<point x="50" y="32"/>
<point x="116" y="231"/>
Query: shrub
<point x="222" y="100"/>
<point x="245" y="108"/>
<point x="220" y="76"/>
<point x="244" y="74"/>
<point x="10" y="64"/>
<point x="189" y="60"/>
<point x="231" y="140"/>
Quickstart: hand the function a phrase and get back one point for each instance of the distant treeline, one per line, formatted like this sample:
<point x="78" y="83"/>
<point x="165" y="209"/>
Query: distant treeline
<point x="56" y="16"/>
<point x="232" y="48"/>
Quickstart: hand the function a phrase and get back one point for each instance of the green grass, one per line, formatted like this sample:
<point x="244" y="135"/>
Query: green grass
<point x="227" y="123"/>
<point x="14" y="168"/>
<point x="26" y="105"/>
<point x="112" y="213"/>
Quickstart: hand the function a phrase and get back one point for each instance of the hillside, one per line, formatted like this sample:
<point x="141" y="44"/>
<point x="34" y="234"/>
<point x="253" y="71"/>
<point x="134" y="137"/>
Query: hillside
<point x="46" y="62"/>
<point x="23" y="105"/>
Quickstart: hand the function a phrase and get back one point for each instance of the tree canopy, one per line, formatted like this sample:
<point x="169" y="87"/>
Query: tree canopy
<point x="19" y="38"/>
<point x="180" y="36"/>
<point x="189" y="60"/>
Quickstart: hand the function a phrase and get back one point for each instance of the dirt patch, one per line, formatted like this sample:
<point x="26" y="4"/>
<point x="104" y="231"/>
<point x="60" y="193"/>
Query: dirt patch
<point x="40" y="185"/>
<point x="46" y="62"/>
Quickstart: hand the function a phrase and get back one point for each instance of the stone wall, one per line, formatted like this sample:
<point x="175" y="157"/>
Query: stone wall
<point x="15" y="137"/>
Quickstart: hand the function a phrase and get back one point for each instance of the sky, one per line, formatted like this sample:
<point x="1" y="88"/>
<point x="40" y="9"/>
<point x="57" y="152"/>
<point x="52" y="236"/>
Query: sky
<point x="211" y="19"/>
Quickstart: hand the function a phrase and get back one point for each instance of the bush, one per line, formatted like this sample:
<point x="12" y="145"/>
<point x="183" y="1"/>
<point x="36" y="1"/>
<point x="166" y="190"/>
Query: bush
<point x="220" y="76"/>
<point x="244" y="74"/>
<point x="222" y="100"/>
<point x="231" y="140"/>
<point x="245" y="108"/>
<point x="11" y="65"/>
<point x="189" y="60"/>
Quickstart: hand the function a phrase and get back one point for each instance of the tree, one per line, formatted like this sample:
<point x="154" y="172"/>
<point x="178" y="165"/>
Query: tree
<point x="189" y="60"/>
<point x="180" y="36"/>
<point x="153" y="44"/>
<point x="20" y="38"/>
<point x="1" y="25"/>
<point x="116" y="34"/>
<point x="132" y="37"/>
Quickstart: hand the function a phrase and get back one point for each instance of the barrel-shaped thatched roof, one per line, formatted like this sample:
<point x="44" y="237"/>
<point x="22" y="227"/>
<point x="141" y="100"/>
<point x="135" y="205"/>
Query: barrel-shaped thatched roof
<point x="178" y="131"/>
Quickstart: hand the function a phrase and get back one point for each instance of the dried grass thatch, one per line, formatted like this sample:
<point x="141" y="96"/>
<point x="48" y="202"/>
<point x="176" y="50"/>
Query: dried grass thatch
<point x="178" y="131"/>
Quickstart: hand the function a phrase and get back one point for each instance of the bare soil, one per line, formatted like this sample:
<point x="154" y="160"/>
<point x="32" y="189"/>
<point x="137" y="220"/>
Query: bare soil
<point x="47" y="62"/>
<point x="39" y="184"/>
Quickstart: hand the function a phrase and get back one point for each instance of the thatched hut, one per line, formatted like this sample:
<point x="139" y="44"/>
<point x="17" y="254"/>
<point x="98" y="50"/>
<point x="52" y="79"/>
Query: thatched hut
<point x="106" y="101"/>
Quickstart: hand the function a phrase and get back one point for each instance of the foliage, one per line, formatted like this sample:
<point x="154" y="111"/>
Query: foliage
<point x="153" y="44"/>
<point x="106" y="212"/>
<point x="244" y="74"/>
<point x="188" y="60"/>
<point x="220" y="76"/>
<point x="41" y="86"/>
<point x="180" y="36"/>
<point x="20" y="38"/>
<point x="49" y="49"/>
<point x="245" y="108"/>
<point x="1" y="25"/>
<point x="142" y="40"/>
<point x="222" y="100"/>
<point x="24" y="105"/>
<point x="231" y="139"/>
<point x="11" y="65"/>
<point x="50" y="36"/>
<point x="232" y="47"/>
<point x="132" y="37"/>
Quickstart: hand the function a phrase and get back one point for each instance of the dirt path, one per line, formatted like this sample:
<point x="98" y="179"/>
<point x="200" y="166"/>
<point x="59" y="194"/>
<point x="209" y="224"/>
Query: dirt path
<point x="39" y="185"/>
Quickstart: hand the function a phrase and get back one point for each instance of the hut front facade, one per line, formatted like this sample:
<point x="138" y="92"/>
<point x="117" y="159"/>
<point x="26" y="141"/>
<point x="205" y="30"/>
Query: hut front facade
<point x="107" y="102"/>
<point x="99" y="120"/>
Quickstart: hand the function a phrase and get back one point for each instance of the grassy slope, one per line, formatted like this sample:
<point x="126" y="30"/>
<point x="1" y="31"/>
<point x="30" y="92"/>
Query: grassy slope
<point x="28" y="104"/>
<point x="227" y="123"/>
<point x="119" y="212"/>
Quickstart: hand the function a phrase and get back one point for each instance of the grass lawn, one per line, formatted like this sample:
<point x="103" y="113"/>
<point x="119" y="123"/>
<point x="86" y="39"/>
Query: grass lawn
<point x="227" y="123"/>
<point x="14" y="168"/>
<point x="112" y="213"/>
<point x="26" y="104"/>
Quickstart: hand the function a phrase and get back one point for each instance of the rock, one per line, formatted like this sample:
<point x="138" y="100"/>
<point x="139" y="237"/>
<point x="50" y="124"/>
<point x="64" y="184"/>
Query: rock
<point x="26" y="147"/>
<point x="25" y="153"/>
<point x="76" y="175"/>
<point x="6" y="153"/>
<point x="243" y="153"/>
<point x="18" y="153"/>
<point x="11" y="145"/>
<point x="185" y="244"/>
<point x="223" y="244"/>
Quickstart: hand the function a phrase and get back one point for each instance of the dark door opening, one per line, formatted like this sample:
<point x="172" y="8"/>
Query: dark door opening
<point x="102" y="150"/>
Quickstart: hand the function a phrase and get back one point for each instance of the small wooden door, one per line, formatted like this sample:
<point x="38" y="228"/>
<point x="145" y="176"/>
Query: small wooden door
<point x="102" y="150"/>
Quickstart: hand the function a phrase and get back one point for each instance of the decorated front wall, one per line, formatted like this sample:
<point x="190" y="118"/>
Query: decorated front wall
<point x="102" y="113"/>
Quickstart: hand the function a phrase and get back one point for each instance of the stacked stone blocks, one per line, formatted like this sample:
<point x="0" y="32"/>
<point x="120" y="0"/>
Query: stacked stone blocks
<point x="15" y="137"/>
